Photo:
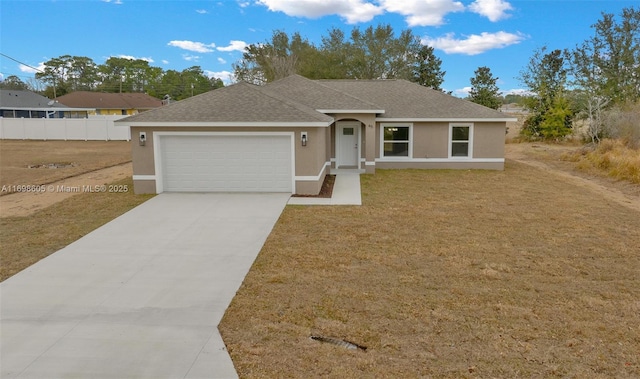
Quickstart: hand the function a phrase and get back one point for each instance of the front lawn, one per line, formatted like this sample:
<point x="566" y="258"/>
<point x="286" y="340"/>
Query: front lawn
<point x="446" y="274"/>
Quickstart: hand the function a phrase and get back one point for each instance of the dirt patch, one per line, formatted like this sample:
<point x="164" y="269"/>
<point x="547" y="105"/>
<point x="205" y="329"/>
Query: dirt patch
<point x="52" y="165"/>
<point x="327" y="188"/>
<point x="20" y="204"/>
<point x="547" y="157"/>
<point x="29" y="163"/>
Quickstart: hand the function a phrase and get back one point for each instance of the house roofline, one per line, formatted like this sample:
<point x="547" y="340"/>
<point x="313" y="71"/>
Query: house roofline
<point x="45" y="109"/>
<point x="375" y="111"/>
<point x="446" y="119"/>
<point x="236" y="124"/>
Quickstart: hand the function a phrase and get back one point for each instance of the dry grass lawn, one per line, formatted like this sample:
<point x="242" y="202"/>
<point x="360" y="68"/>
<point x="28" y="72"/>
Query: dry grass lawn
<point x="16" y="156"/>
<point x="26" y="240"/>
<point x="446" y="274"/>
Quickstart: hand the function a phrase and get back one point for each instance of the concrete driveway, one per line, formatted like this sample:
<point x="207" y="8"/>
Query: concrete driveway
<point x="140" y="297"/>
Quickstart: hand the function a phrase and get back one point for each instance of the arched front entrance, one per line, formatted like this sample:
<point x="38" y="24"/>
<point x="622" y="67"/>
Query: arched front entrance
<point x="347" y="144"/>
<point x="357" y="151"/>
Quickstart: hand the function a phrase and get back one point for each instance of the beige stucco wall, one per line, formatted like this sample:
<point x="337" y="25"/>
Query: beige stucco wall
<point x="431" y="140"/>
<point x="309" y="160"/>
<point x="488" y="139"/>
<point x="450" y="165"/>
<point x="142" y="155"/>
<point x="304" y="187"/>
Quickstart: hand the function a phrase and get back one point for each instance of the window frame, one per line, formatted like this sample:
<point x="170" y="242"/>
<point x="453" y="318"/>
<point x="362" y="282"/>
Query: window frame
<point x="409" y="142"/>
<point x="469" y="142"/>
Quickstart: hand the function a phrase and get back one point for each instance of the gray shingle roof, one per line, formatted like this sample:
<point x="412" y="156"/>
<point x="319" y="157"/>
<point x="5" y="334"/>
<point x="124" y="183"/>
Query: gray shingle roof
<point x="241" y="102"/>
<point x="16" y="99"/>
<point x="404" y="99"/>
<point x="316" y="95"/>
<point x="297" y="100"/>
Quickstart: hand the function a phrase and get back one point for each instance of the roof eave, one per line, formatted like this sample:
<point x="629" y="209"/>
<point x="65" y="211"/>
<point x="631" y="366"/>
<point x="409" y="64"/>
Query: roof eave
<point x="235" y="124"/>
<point x="45" y="109"/>
<point x="446" y="119"/>
<point x="374" y="111"/>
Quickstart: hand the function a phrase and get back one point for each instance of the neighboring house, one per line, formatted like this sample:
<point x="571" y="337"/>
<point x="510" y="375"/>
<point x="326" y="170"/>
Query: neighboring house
<point x="27" y="104"/>
<point x="111" y="104"/>
<point x="288" y="135"/>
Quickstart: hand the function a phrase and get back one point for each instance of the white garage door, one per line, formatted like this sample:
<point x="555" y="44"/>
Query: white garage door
<point x="226" y="163"/>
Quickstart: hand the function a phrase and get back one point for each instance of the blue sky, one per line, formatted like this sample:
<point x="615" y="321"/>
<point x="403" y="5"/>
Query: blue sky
<point x="173" y="34"/>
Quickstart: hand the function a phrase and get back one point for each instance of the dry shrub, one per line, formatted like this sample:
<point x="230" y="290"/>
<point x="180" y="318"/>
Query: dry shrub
<point x="614" y="157"/>
<point x="623" y="123"/>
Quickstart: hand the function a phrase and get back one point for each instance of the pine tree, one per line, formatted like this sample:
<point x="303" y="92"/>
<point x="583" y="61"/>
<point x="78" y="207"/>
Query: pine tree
<point x="484" y="90"/>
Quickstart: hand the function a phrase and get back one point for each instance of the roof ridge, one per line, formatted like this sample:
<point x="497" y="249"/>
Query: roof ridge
<point x="297" y="105"/>
<point x="346" y="94"/>
<point x="316" y="82"/>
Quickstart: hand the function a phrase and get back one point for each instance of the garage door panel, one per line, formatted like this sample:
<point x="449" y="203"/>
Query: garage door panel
<point x="223" y="163"/>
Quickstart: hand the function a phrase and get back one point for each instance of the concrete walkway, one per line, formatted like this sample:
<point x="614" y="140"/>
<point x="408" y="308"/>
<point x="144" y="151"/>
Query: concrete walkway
<point x="140" y="297"/>
<point x="346" y="191"/>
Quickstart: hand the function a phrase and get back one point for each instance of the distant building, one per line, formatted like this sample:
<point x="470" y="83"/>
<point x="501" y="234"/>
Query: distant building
<point x="514" y="108"/>
<point x="104" y="103"/>
<point x="27" y="104"/>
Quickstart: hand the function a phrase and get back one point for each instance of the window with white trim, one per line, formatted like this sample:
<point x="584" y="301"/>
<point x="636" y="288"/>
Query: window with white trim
<point x="396" y="141"/>
<point x="460" y="141"/>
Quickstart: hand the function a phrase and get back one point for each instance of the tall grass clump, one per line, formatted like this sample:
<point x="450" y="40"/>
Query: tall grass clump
<point x="619" y="155"/>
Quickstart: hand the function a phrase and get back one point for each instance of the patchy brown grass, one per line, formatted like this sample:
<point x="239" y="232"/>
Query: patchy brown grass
<point x="446" y="274"/>
<point x="26" y="240"/>
<point x="16" y="156"/>
<point x="612" y="157"/>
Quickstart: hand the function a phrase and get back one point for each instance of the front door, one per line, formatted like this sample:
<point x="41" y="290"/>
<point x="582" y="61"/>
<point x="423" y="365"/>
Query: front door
<point x="347" y="136"/>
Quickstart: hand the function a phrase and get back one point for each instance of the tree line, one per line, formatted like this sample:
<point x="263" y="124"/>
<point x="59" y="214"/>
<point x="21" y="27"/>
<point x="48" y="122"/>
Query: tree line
<point x="598" y="75"/>
<point x="68" y="73"/>
<point x="373" y="53"/>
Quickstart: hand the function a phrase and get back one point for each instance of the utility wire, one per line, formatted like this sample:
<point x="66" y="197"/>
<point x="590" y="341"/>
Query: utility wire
<point x="22" y="63"/>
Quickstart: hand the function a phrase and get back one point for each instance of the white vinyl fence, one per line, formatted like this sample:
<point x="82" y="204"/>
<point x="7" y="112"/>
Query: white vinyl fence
<point x="94" y="128"/>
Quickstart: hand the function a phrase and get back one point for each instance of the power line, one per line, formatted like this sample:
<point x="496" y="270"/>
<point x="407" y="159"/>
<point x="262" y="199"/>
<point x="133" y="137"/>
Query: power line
<point x="22" y="63"/>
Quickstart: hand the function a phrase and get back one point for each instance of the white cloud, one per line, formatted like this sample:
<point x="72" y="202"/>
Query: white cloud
<point x="462" y="92"/>
<point x="473" y="44"/>
<point x="164" y="61"/>
<point x="117" y="2"/>
<point x="353" y="11"/>
<point x="150" y="60"/>
<point x="494" y="10"/>
<point x="29" y="70"/>
<point x="221" y="61"/>
<point x="197" y="47"/>
<point x="191" y="58"/>
<point x="234" y="46"/>
<point x="422" y="12"/>
<point x="517" y="91"/>
<point x="201" y="11"/>
<point x="226" y="76"/>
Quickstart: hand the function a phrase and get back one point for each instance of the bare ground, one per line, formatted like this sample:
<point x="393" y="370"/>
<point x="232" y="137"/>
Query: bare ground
<point x="547" y="157"/>
<point x="19" y="204"/>
<point x="53" y="171"/>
